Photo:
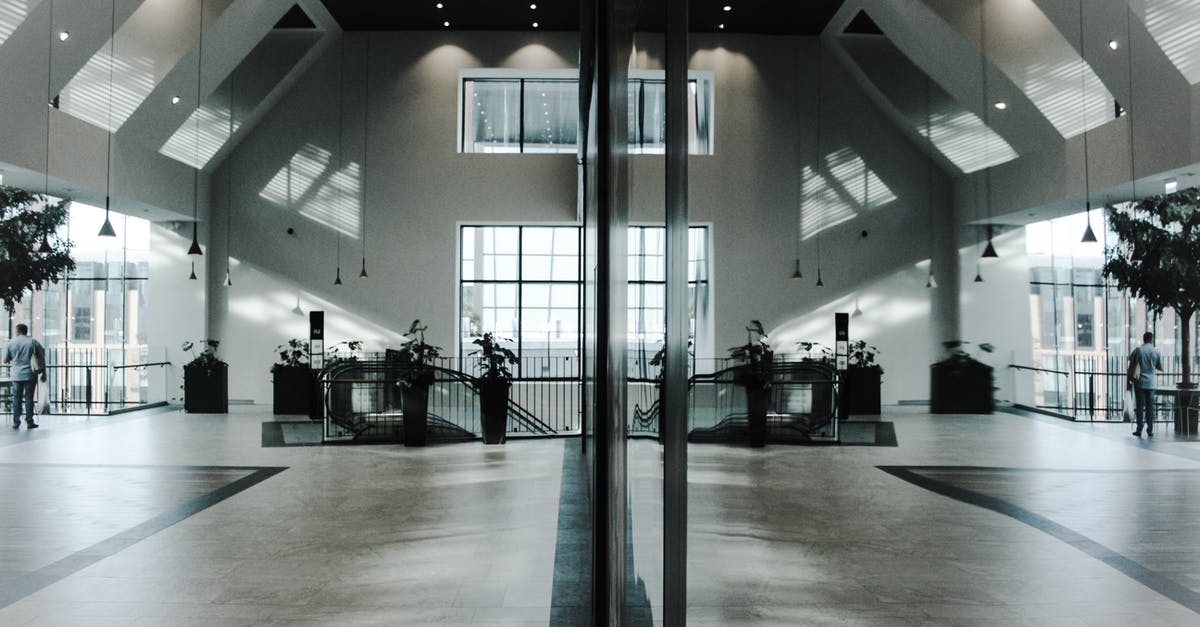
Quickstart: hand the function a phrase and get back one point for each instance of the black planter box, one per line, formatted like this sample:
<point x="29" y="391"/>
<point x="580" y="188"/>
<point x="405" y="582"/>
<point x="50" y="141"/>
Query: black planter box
<point x="493" y="408"/>
<point x="862" y="392"/>
<point x="206" y="389"/>
<point x="415" y="399"/>
<point x="758" y="400"/>
<point x="960" y="386"/>
<point x="292" y="387"/>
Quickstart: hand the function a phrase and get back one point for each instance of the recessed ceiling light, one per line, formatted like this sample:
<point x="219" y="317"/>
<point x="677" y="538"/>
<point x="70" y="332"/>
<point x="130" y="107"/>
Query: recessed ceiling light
<point x="440" y="5"/>
<point x="533" y="7"/>
<point x="64" y="35"/>
<point x="446" y="24"/>
<point x="1001" y="105"/>
<point x="174" y="99"/>
<point x="728" y="8"/>
<point x="721" y="26"/>
<point x="535" y="24"/>
<point x="1113" y="44"/>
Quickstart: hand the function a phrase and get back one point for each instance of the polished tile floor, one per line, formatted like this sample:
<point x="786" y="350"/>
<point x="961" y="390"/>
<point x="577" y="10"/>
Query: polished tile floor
<point x="164" y="518"/>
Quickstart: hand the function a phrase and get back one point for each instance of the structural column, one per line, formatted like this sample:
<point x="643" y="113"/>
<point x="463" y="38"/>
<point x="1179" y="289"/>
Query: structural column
<point x="673" y="419"/>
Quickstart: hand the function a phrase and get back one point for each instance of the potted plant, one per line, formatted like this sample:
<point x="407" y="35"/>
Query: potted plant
<point x="754" y="374"/>
<point x="341" y="393"/>
<point x="863" y="377"/>
<point x="416" y="376"/>
<point x="291" y="378"/>
<point x="961" y="384"/>
<point x="493" y="384"/>
<point x="205" y="381"/>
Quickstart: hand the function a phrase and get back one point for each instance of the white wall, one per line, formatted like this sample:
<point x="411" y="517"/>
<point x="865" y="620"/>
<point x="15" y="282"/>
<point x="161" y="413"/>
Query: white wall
<point x="419" y="189"/>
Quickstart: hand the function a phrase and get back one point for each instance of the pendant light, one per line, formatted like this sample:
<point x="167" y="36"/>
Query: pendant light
<point x="229" y="185"/>
<point x="857" y="310"/>
<point x="989" y="251"/>
<point x="978" y="276"/>
<point x="297" y="310"/>
<point x="194" y="249"/>
<point x="820" y="283"/>
<point x="1089" y="236"/>
<point x="366" y="130"/>
<point x="44" y="247"/>
<point x="820" y="155"/>
<point x="796" y="274"/>
<point x="929" y="281"/>
<point x="106" y="229"/>
<point x="192" y="276"/>
<point x="341" y="154"/>
<point x="1129" y="109"/>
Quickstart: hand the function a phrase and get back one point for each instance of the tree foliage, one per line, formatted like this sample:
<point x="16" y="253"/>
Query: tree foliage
<point x="1157" y="259"/>
<point x="26" y="220"/>
<point x="1157" y="256"/>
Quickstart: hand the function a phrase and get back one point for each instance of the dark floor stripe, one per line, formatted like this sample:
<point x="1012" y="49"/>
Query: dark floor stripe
<point x="1151" y="579"/>
<point x="571" y="596"/>
<point x="26" y="585"/>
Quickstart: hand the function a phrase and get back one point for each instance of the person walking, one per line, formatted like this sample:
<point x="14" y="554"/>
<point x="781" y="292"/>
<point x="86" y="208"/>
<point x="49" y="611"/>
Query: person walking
<point x="1144" y="363"/>
<point x="19" y="354"/>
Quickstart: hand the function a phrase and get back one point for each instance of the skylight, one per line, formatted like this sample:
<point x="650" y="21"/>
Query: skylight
<point x="12" y="14"/>
<point x="86" y="96"/>
<point x="963" y="139"/>
<point x="1059" y="90"/>
<point x="1175" y="27"/>
<point x="213" y="133"/>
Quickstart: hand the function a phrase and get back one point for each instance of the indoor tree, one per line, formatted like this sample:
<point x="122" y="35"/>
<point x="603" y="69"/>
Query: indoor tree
<point x="33" y="253"/>
<point x="1157" y="258"/>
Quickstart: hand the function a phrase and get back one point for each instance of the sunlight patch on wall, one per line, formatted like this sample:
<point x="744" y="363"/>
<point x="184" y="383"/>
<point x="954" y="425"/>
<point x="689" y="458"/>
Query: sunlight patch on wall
<point x="12" y="14"/>
<point x="823" y="207"/>
<point x="86" y="96"/>
<point x="311" y="182"/>
<point x="213" y="133"/>
<point x="1059" y="90"/>
<point x="1175" y="27"/>
<point x="858" y="181"/>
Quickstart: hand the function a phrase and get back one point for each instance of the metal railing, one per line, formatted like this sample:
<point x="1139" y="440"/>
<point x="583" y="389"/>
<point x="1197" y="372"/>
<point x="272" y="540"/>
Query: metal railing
<point x="1092" y="389"/>
<point x="361" y="400"/>
<point x="84" y="381"/>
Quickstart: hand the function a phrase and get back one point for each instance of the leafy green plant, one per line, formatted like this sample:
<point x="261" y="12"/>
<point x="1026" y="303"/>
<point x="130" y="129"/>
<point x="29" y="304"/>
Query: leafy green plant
<point x="1157" y="258"/>
<point x="417" y="355"/>
<point x="959" y="354"/>
<point x="24" y="233"/>
<point x="756" y="356"/>
<point x="206" y="358"/>
<point x="292" y="354"/>
<point x="816" y="351"/>
<point x="862" y="355"/>
<point x="492" y="358"/>
<point x="335" y="354"/>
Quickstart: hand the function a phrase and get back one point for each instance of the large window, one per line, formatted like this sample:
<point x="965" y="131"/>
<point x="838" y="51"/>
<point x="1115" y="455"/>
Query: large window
<point x="1083" y="326"/>
<point x="91" y="322"/>
<point x="523" y="283"/>
<point x="505" y="112"/>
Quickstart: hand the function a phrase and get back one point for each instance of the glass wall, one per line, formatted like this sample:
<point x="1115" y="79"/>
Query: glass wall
<point x="91" y="322"/>
<point x="1083" y="326"/>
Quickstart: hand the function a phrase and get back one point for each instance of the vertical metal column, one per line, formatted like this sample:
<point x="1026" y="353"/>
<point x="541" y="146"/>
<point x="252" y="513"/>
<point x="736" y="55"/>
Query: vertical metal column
<point x="606" y="223"/>
<point x="674" y="420"/>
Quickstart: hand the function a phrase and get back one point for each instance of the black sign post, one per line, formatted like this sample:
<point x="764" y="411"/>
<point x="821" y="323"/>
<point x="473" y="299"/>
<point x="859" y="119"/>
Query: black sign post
<point x="316" y="340"/>
<point x="841" y="351"/>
